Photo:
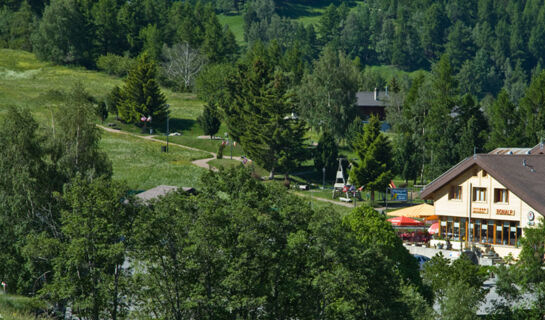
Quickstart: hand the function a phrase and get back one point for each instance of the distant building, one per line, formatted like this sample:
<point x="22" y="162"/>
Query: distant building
<point x="490" y="198"/>
<point x="372" y="102"/>
<point x="161" y="191"/>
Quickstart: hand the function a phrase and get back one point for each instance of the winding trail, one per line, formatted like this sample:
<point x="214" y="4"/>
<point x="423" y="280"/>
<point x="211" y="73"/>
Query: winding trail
<point x="203" y="163"/>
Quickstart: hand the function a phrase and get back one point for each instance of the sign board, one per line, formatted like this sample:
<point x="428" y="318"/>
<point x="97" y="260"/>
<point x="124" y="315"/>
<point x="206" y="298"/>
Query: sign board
<point x="505" y="212"/>
<point x="399" y="194"/>
<point x="479" y="210"/>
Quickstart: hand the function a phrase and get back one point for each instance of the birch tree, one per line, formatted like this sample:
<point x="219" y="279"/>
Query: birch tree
<point x="182" y="64"/>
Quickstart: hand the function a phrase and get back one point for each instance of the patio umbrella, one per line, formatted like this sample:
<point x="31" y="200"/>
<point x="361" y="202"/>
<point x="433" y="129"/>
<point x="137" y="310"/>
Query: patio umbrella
<point x="430" y="218"/>
<point x="405" y="222"/>
<point x="418" y="211"/>
<point x="434" y="228"/>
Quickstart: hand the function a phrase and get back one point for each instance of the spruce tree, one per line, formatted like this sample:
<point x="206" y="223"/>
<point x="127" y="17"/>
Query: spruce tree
<point x="141" y="93"/>
<point x="533" y="110"/>
<point x="504" y="120"/>
<point x="261" y="115"/>
<point x="373" y="171"/>
<point x="326" y="154"/>
<point x="209" y="120"/>
<point x="440" y="129"/>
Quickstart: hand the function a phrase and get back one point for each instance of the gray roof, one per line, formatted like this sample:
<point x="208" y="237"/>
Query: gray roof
<point x="524" y="175"/>
<point x="508" y="151"/>
<point x="538" y="149"/>
<point x="156" y="192"/>
<point x="367" y="99"/>
<point x="160" y="191"/>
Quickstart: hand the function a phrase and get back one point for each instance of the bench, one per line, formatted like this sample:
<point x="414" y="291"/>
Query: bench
<point x="303" y="187"/>
<point x="345" y="199"/>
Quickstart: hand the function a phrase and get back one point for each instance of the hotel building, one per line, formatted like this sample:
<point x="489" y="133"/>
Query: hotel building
<point x="490" y="198"/>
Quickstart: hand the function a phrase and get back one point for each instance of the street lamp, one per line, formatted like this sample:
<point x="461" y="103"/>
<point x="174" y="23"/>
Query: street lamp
<point x="168" y="129"/>
<point x="323" y="178"/>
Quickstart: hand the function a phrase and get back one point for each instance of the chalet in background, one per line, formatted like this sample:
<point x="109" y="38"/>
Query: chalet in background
<point x="372" y="102"/>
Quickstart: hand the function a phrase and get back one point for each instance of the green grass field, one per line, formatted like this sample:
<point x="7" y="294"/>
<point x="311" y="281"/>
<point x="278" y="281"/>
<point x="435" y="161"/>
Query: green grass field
<point x="29" y="83"/>
<point x="19" y="308"/>
<point x="236" y="25"/>
<point x="142" y="164"/>
<point x="26" y="82"/>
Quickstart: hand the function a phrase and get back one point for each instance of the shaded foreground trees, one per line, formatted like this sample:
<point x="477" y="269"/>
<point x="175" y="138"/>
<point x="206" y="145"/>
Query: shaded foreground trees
<point x="242" y="249"/>
<point x="35" y="167"/>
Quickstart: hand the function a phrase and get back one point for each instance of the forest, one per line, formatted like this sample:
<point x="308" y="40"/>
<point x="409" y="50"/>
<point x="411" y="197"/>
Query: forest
<point x="488" y="54"/>
<point x="462" y="77"/>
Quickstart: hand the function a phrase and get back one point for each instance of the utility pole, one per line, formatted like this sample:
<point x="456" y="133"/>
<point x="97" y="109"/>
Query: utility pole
<point x="168" y="129"/>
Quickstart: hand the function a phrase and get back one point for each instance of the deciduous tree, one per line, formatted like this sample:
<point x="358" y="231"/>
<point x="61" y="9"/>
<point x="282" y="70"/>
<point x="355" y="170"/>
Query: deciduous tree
<point x="96" y="227"/>
<point x="182" y="64"/>
<point x="328" y="95"/>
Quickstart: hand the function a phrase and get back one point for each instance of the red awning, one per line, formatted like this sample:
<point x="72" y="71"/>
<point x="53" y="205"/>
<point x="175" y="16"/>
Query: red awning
<point x="405" y="222"/>
<point x="434" y="228"/>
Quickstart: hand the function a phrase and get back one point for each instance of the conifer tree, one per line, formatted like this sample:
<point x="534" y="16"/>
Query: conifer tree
<point x="373" y="171"/>
<point x="533" y="110"/>
<point x="261" y="115"/>
<point x="141" y="93"/>
<point x="440" y="129"/>
<point x="504" y="120"/>
<point x="209" y="120"/>
<point x="326" y="153"/>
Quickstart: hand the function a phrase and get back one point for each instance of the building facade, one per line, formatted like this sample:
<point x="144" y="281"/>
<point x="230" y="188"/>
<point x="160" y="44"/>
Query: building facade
<point x="489" y="199"/>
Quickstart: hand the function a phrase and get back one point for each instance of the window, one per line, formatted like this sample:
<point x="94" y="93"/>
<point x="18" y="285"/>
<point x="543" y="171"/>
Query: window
<point x="501" y="195"/>
<point x="484" y="173"/>
<point x="479" y="194"/>
<point x="455" y="193"/>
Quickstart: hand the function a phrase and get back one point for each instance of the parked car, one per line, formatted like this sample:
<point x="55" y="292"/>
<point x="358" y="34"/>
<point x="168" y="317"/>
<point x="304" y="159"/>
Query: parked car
<point x="421" y="260"/>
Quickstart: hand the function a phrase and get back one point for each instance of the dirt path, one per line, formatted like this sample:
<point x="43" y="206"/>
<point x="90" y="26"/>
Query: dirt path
<point x="203" y="163"/>
<point x="345" y="204"/>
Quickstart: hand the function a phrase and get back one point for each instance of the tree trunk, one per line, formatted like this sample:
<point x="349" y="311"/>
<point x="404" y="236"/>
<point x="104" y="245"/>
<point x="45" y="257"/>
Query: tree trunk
<point x="271" y="174"/>
<point x="372" y="196"/>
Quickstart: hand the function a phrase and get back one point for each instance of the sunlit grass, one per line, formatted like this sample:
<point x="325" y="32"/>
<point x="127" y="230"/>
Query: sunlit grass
<point x="143" y="166"/>
<point x="19" y="308"/>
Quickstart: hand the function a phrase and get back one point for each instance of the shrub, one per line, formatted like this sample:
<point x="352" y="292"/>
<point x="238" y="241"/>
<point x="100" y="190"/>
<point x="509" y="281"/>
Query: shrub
<point x="220" y="151"/>
<point x="115" y="65"/>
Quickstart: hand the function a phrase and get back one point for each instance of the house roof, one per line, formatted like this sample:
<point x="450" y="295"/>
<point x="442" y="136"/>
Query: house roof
<point x="510" y="151"/>
<point x="160" y="191"/>
<point x="539" y="149"/>
<point x="367" y="99"/>
<point x="524" y="175"/>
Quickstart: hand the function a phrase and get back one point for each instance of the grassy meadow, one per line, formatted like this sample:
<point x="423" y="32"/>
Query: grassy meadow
<point x="143" y="166"/>
<point x="27" y="82"/>
<point x="19" y="308"/>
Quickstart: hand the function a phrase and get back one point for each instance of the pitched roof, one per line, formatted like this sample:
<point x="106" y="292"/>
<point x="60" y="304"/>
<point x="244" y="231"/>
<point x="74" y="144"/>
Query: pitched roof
<point x="524" y="175"/>
<point x="160" y="191"/>
<point x="538" y="149"/>
<point x="156" y="192"/>
<point x="367" y="99"/>
<point x="510" y="151"/>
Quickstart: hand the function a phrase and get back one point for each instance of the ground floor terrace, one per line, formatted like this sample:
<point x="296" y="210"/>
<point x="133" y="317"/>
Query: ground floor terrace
<point x="484" y="231"/>
<point x="504" y="236"/>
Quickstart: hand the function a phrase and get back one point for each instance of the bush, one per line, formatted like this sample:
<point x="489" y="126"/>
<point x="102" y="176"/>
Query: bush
<point x="220" y="151"/>
<point x="114" y="64"/>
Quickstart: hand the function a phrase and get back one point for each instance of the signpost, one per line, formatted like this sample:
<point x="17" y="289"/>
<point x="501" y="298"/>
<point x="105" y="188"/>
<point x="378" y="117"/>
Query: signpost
<point x="399" y="194"/>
